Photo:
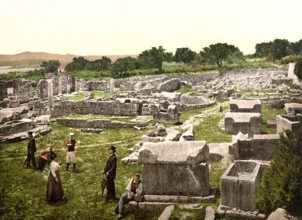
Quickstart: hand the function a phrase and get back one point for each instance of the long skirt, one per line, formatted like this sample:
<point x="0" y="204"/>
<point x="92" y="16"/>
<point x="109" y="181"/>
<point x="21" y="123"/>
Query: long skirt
<point x="54" y="190"/>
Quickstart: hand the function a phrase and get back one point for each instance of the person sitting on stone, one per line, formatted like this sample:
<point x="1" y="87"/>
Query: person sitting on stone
<point x="133" y="191"/>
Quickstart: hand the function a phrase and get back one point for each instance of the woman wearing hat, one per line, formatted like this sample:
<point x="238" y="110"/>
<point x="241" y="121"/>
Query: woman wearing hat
<point x="54" y="190"/>
<point x="110" y="172"/>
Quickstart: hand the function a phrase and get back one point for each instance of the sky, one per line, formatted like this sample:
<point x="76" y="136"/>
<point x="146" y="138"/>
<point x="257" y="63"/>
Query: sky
<point x="121" y="27"/>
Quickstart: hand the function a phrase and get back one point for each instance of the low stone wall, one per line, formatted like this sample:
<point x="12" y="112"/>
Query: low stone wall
<point x="126" y="107"/>
<point x="100" y="123"/>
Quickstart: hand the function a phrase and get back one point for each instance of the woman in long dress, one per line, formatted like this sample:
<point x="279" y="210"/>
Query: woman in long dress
<point x="54" y="190"/>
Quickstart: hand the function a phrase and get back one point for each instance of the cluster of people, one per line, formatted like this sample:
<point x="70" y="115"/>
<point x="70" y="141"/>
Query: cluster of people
<point x="55" y="192"/>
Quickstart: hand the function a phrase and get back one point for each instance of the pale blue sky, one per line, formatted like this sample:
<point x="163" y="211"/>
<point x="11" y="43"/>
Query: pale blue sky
<point x="116" y="27"/>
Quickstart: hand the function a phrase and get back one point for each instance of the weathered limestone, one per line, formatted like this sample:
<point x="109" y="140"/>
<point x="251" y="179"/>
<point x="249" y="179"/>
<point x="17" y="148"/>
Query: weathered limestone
<point x="99" y="123"/>
<point x="287" y="122"/>
<point x="258" y="148"/>
<point x="165" y="215"/>
<point x="169" y="85"/>
<point x="293" y="109"/>
<point x="166" y="163"/>
<point x="245" y="106"/>
<point x="238" y="185"/>
<point x="235" y="122"/>
<point x="281" y="214"/>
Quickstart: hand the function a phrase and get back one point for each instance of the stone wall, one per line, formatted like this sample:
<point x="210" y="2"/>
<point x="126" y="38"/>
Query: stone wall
<point x="20" y="89"/>
<point x="100" y="123"/>
<point x="259" y="148"/>
<point x="115" y="107"/>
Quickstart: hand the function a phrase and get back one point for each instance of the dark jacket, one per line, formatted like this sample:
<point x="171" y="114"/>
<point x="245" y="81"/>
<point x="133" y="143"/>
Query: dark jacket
<point x="111" y="166"/>
<point x="31" y="146"/>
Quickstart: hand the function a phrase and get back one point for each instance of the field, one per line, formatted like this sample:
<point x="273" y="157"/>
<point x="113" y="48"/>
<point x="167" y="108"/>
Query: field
<point x="22" y="194"/>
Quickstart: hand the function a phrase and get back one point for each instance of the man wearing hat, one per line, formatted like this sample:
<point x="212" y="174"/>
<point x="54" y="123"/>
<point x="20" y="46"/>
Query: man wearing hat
<point x="110" y="172"/>
<point x="31" y="149"/>
<point x="70" y="157"/>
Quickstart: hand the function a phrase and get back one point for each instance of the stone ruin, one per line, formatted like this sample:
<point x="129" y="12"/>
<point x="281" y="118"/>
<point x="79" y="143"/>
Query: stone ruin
<point x="238" y="185"/>
<point x="167" y="163"/>
<point x="293" y="109"/>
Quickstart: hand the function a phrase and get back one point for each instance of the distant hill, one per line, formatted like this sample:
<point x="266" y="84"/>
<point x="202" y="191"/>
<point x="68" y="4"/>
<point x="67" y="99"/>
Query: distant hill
<point x="64" y="59"/>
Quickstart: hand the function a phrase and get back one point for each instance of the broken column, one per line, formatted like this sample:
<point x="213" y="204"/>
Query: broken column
<point x="50" y="94"/>
<point x="175" y="168"/>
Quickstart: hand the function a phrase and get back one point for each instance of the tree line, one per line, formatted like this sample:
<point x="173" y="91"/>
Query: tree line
<point x="215" y="55"/>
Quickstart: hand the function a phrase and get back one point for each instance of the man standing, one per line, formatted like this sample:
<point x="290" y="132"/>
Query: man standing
<point x="110" y="172"/>
<point x="70" y="157"/>
<point x="31" y="149"/>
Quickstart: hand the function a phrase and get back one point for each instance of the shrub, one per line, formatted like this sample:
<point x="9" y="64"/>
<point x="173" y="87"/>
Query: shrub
<point x="281" y="184"/>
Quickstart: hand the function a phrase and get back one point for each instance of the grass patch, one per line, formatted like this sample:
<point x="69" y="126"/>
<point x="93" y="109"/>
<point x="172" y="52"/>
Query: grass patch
<point x="269" y="113"/>
<point x="185" y="89"/>
<point x="22" y="190"/>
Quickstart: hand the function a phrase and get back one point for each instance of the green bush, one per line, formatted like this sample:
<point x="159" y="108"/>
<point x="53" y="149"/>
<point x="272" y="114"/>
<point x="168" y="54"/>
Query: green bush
<point x="281" y="184"/>
<point x="298" y="69"/>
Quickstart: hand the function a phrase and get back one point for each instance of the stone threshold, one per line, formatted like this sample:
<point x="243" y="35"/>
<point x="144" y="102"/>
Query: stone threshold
<point x="226" y="211"/>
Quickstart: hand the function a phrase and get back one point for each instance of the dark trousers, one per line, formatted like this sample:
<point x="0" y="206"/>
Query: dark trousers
<point x="110" y="189"/>
<point x="31" y="157"/>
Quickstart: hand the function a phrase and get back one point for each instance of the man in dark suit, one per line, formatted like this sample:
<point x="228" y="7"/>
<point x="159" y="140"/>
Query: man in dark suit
<point x="110" y="172"/>
<point x="31" y="149"/>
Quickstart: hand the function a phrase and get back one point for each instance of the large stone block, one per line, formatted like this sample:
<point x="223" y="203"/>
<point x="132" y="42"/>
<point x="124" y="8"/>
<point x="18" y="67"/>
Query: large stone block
<point x="175" y="168"/>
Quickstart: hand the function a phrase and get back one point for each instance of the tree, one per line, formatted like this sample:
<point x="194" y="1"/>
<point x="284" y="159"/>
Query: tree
<point x="296" y="47"/>
<point x="153" y="58"/>
<point x="262" y="49"/>
<point x="281" y="184"/>
<point x="298" y="69"/>
<point x="77" y="64"/>
<point x="184" y="55"/>
<point x="99" y="64"/>
<point x="217" y="53"/>
<point x="50" y="66"/>
<point x="122" y="66"/>
<point x="279" y="49"/>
